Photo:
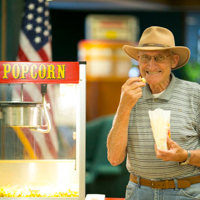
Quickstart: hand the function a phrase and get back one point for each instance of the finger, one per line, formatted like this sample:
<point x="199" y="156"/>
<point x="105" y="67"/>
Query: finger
<point x="136" y="90"/>
<point x="131" y="91"/>
<point x="171" y="143"/>
<point x="136" y="95"/>
<point x="163" y="155"/>
<point x="137" y="85"/>
<point x="155" y="146"/>
<point x="161" y="151"/>
<point x="132" y="80"/>
<point x="158" y="154"/>
<point x="169" y="139"/>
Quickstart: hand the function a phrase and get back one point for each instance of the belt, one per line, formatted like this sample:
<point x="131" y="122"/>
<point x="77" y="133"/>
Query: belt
<point x="167" y="184"/>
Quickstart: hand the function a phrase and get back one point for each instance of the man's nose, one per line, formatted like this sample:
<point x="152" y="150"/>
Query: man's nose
<point x="152" y="62"/>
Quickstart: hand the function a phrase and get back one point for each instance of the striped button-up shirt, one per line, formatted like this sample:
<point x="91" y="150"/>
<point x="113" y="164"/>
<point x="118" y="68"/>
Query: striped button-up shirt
<point x="182" y="98"/>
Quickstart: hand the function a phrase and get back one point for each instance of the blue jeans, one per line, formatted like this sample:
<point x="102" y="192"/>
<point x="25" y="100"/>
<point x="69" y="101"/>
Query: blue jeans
<point x="139" y="192"/>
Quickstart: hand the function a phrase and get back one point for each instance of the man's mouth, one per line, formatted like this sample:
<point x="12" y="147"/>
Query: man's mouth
<point x="153" y="72"/>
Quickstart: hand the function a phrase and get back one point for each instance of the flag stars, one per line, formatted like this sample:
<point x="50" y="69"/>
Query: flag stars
<point x="46" y="13"/>
<point x="39" y="19"/>
<point x="39" y="9"/>
<point x="29" y="27"/>
<point x="36" y="25"/>
<point x="46" y="22"/>
<point x="38" y="29"/>
<point x="46" y="33"/>
<point x="49" y="27"/>
<point x="30" y="16"/>
<point x="31" y="6"/>
<point x="37" y="39"/>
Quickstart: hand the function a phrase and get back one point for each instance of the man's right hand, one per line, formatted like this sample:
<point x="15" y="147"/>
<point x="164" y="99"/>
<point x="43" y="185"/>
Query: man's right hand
<point x="118" y="136"/>
<point x="131" y="92"/>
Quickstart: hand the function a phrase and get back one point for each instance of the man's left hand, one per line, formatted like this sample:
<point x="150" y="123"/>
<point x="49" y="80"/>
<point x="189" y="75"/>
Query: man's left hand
<point x="174" y="152"/>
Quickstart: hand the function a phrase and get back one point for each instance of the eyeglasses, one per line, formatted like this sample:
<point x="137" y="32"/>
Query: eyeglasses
<point x="158" y="58"/>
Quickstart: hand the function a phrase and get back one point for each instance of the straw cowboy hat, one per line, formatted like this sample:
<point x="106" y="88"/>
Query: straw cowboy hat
<point x="158" y="38"/>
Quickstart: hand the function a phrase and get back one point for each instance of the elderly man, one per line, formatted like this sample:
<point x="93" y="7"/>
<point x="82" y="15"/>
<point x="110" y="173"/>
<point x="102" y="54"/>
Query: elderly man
<point x="155" y="173"/>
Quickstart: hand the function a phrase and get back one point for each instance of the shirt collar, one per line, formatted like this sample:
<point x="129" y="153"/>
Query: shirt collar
<point x="165" y="95"/>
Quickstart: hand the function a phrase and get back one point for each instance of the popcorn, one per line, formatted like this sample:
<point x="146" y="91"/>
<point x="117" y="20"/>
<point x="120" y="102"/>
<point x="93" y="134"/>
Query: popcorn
<point x="160" y="124"/>
<point x="7" y="192"/>
<point x="143" y="79"/>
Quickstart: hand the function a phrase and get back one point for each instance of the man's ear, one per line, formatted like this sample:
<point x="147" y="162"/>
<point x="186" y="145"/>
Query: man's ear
<point x="175" y="60"/>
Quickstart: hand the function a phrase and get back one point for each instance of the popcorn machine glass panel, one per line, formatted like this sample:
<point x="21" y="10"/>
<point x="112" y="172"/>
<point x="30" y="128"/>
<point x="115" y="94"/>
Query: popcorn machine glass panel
<point x="39" y="159"/>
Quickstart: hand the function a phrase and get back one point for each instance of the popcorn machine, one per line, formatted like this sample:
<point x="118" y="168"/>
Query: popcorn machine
<point x="42" y="141"/>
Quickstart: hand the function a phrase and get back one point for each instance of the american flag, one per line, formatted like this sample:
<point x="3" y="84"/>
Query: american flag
<point x="35" y="45"/>
<point x="35" y="38"/>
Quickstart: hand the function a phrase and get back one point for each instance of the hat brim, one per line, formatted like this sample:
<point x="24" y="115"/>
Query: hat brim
<point x="183" y="52"/>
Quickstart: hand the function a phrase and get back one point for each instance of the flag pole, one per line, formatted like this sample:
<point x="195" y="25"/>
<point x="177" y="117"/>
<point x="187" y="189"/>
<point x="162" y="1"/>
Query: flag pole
<point x="3" y="30"/>
<point x="3" y="57"/>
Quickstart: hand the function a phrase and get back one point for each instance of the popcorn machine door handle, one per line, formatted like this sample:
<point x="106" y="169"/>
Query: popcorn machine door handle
<point x="46" y="117"/>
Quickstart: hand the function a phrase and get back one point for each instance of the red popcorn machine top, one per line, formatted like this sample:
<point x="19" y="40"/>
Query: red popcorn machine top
<point x="42" y="143"/>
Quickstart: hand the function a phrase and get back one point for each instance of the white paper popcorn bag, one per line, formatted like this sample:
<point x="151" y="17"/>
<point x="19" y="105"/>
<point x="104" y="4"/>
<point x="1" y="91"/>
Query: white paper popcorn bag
<point x="160" y="124"/>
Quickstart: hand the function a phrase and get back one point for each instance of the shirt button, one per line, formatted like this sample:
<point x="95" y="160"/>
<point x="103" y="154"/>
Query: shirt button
<point x="155" y="99"/>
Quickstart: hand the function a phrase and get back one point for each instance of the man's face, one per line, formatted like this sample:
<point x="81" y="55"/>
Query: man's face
<point x="156" y="72"/>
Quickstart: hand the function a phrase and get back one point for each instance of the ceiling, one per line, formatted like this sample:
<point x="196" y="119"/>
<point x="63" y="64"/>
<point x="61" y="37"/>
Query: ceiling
<point x="149" y="5"/>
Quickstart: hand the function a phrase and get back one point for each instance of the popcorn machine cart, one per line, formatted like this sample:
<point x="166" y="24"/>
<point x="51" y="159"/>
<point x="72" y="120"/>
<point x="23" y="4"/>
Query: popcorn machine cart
<point x="42" y="137"/>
